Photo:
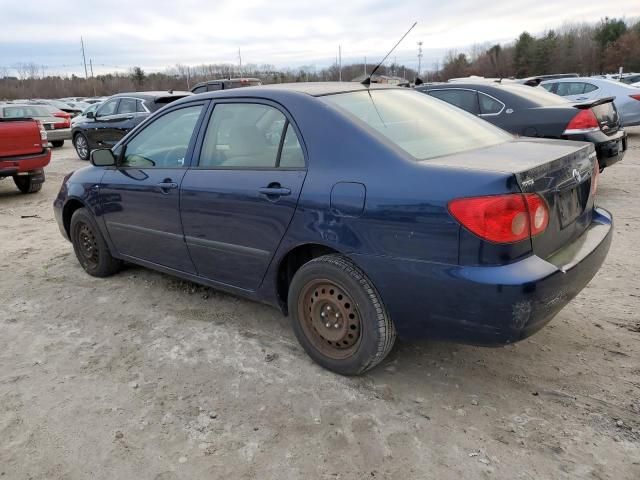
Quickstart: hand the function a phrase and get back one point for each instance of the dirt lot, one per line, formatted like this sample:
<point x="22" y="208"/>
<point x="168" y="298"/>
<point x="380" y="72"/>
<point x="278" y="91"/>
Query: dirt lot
<point x="142" y="376"/>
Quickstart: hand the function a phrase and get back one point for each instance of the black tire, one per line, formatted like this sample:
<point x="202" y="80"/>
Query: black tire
<point x="81" y="144"/>
<point x="355" y="300"/>
<point x="57" y="143"/>
<point x="90" y="247"/>
<point x="26" y="184"/>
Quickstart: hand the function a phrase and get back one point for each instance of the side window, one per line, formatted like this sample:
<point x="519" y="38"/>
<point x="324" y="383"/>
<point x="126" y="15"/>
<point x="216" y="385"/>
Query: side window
<point x="127" y="105"/>
<point x="464" y="99"/>
<point x="212" y="87"/>
<point x="200" y="89"/>
<point x="570" y="88"/>
<point x="548" y="86"/>
<point x="291" y="155"/>
<point x="489" y="105"/>
<point x="164" y="142"/>
<point x="140" y="107"/>
<point x="588" y="88"/>
<point x="242" y="135"/>
<point x="107" y="108"/>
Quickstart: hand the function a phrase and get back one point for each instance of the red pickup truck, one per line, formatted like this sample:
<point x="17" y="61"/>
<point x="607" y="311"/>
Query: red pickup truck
<point x="23" y="152"/>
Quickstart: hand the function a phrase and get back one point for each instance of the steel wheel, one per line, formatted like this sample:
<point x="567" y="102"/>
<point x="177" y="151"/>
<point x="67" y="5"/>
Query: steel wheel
<point x="82" y="147"/>
<point x="88" y="246"/>
<point x="332" y="321"/>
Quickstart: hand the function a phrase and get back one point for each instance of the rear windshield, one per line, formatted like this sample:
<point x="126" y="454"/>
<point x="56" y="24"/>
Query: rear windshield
<point x="422" y="126"/>
<point x="25" y="112"/>
<point x="537" y="95"/>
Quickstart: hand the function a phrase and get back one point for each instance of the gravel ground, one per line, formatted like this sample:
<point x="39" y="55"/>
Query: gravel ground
<point x="143" y="376"/>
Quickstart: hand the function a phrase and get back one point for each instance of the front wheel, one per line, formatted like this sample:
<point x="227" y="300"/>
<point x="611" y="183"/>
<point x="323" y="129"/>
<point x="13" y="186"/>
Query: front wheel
<point x="338" y="317"/>
<point x="26" y="183"/>
<point x="81" y="145"/>
<point x="90" y="247"/>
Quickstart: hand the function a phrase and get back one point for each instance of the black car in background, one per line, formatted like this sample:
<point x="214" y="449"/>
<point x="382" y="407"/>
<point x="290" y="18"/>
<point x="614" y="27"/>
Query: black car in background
<point x="225" y="84"/>
<point x="534" y="112"/>
<point x="116" y="117"/>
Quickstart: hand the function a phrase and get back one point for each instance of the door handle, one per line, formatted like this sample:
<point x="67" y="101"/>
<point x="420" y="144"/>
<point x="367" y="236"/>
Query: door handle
<point x="166" y="186"/>
<point x="274" y="191"/>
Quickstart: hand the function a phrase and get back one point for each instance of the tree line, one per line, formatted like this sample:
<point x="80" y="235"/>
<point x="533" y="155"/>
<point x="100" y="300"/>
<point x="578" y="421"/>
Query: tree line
<point x="585" y="49"/>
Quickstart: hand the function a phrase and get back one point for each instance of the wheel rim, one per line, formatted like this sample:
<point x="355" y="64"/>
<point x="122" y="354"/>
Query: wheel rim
<point x="81" y="146"/>
<point x="87" y="246"/>
<point x="330" y="319"/>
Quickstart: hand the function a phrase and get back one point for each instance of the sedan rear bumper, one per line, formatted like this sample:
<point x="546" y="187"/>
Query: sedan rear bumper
<point x="59" y="134"/>
<point x="610" y="149"/>
<point x="487" y="305"/>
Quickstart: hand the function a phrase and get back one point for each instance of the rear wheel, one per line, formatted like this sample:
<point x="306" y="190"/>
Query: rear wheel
<point x="338" y="317"/>
<point x="82" y="146"/>
<point x="26" y="184"/>
<point x="90" y="247"/>
<point x="57" y="143"/>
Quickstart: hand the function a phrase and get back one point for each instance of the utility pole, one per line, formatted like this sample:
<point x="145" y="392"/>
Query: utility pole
<point x="188" y="78"/>
<point x="240" y="59"/>
<point x="339" y="63"/>
<point x="84" y="59"/>
<point x="92" y="82"/>
<point x="419" y="57"/>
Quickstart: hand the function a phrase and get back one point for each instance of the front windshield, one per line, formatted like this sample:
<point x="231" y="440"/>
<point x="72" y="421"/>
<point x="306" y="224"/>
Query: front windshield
<point x="422" y="126"/>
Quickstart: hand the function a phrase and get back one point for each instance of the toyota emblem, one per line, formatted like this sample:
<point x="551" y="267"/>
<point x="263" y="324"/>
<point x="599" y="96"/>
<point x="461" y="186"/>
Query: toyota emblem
<point x="576" y="175"/>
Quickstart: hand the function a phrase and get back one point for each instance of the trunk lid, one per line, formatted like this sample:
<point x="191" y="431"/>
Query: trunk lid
<point x="605" y="111"/>
<point x="19" y="137"/>
<point x="560" y="171"/>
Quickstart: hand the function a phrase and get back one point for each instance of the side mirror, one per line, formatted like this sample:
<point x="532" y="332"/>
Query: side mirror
<point x="103" y="157"/>
<point x="90" y="115"/>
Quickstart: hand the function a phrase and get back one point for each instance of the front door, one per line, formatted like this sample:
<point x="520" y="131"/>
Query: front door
<point x="99" y="125"/>
<point x="241" y="193"/>
<point x="141" y="197"/>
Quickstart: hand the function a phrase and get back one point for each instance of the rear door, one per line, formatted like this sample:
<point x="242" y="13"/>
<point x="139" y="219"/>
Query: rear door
<point x="460" y="97"/>
<point x="242" y="191"/>
<point x="141" y="197"/>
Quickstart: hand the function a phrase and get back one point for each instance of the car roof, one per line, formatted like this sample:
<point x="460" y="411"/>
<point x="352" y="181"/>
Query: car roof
<point x="152" y="95"/>
<point x="314" y="89"/>
<point x="218" y="80"/>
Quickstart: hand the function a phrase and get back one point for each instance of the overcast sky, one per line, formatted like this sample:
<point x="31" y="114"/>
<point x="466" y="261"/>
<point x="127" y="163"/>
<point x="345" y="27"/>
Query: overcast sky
<point x="155" y="34"/>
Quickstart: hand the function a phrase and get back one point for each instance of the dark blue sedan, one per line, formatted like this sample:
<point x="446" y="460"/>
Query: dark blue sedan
<point x="361" y="212"/>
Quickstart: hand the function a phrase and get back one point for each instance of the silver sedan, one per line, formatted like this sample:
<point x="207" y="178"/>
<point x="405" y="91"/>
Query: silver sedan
<point x="627" y="97"/>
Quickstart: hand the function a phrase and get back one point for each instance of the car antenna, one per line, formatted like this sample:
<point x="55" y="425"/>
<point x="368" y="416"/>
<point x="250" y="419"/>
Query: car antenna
<point x="367" y="81"/>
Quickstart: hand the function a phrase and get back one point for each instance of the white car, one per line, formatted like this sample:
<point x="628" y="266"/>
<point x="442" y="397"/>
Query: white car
<point x="626" y="97"/>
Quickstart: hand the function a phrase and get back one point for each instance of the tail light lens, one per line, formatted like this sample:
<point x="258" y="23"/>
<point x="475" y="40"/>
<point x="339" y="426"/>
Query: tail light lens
<point x="584" y="121"/>
<point x="66" y="122"/>
<point x="43" y="134"/>
<point x="635" y="97"/>
<point x="502" y="218"/>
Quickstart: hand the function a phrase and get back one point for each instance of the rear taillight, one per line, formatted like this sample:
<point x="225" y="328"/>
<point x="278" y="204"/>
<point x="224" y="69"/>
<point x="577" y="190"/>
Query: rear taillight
<point x="502" y="218"/>
<point x="43" y="134"/>
<point x="66" y="122"/>
<point x="635" y="97"/>
<point x="584" y="121"/>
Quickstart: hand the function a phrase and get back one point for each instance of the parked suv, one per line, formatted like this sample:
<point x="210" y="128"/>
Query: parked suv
<point x="116" y="117"/>
<point x="225" y="84"/>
